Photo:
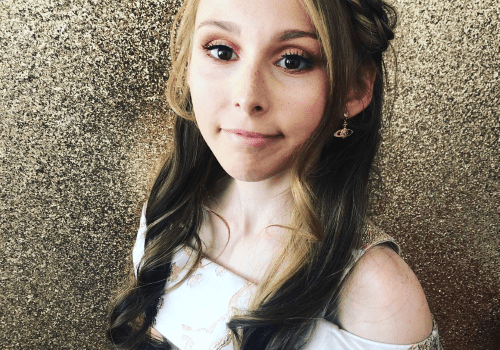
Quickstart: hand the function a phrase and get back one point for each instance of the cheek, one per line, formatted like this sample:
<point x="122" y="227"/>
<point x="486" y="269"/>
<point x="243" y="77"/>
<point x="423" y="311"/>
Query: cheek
<point x="203" y="72"/>
<point x="208" y="87"/>
<point x="307" y="108"/>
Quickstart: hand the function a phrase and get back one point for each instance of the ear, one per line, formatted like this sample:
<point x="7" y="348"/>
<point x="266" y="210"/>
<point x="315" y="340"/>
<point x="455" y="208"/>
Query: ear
<point x="357" y="103"/>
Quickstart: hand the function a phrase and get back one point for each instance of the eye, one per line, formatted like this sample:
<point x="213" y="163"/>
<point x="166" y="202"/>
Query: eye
<point x="295" y="62"/>
<point x="221" y="52"/>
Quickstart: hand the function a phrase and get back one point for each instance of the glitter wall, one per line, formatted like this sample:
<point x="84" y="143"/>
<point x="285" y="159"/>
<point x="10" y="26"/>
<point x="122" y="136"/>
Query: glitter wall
<point x="82" y="127"/>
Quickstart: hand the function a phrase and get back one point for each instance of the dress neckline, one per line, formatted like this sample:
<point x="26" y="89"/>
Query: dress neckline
<point x="210" y="261"/>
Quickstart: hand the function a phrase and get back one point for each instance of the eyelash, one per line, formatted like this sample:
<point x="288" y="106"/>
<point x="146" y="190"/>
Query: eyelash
<point x="305" y="59"/>
<point x="211" y="46"/>
<point x="302" y="56"/>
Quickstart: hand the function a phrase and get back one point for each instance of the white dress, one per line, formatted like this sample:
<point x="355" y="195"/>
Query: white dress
<point x="193" y="315"/>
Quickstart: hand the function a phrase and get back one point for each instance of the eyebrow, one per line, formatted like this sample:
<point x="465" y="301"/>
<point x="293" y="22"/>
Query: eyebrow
<point x="233" y="28"/>
<point x="294" y="34"/>
<point x="227" y="26"/>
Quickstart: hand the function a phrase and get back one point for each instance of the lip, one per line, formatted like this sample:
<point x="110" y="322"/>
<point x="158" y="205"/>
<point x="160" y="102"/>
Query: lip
<point x="251" y="138"/>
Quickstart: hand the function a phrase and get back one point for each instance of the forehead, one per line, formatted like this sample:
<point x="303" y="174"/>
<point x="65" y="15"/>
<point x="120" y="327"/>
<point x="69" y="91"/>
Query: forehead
<point x="256" y="16"/>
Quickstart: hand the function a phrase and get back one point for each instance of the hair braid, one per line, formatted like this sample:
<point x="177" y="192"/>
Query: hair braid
<point x="374" y="23"/>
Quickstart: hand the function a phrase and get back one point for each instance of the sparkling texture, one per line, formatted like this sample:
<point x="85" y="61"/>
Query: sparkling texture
<point x="84" y="127"/>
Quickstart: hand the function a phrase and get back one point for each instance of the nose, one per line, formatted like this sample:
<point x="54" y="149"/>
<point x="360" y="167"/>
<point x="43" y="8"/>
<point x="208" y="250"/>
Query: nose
<point x="250" y="89"/>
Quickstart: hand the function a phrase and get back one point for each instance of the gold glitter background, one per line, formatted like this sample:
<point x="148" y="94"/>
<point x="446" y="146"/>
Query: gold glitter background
<point x="82" y="127"/>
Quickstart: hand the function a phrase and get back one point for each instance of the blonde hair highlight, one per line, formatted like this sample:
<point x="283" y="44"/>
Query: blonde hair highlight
<point x="312" y="223"/>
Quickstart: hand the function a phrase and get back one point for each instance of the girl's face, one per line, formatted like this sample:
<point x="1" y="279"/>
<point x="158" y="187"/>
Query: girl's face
<point x="257" y="83"/>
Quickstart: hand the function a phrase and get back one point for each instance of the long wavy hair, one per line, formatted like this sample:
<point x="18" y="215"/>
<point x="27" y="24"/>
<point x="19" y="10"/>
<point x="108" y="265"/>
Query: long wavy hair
<point x="330" y="195"/>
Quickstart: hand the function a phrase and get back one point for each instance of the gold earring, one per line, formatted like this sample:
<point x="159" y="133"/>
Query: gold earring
<point x="344" y="132"/>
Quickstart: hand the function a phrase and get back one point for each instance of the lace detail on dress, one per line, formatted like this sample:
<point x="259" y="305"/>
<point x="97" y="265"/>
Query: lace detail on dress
<point x="374" y="236"/>
<point x="193" y="315"/>
<point x="431" y="342"/>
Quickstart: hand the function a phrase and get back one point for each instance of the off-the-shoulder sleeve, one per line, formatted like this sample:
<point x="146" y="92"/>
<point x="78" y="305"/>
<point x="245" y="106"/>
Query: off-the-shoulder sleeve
<point x="138" y="250"/>
<point x="328" y="336"/>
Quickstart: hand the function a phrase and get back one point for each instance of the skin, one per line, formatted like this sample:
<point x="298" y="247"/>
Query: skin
<point x="383" y="300"/>
<point x="253" y="91"/>
<point x="241" y="85"/>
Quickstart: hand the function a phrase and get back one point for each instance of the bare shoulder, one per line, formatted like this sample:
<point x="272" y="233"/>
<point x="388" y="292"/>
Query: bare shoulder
<point x="155" y="334"/>
<point x="383" y="301"/>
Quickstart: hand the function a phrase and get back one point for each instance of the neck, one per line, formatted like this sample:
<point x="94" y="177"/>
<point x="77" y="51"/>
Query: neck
<point x="250" y="207"/>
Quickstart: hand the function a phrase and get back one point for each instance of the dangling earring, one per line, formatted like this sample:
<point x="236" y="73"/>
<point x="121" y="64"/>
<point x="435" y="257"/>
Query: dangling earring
<point x="344" y="132"/>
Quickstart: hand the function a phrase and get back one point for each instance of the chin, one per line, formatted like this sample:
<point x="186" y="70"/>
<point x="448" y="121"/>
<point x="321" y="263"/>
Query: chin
<point x="253" y="174"/>
<point x="246" y="175"/>
<point x="249" y="177"/>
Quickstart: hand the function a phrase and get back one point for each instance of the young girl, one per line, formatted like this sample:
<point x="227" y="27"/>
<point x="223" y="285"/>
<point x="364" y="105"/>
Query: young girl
<point x="255" y="234"/>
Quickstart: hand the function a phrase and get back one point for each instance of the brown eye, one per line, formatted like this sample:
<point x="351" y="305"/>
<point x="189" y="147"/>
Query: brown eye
<point x="294" y="62"/>
<point x="222" y="52"/>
